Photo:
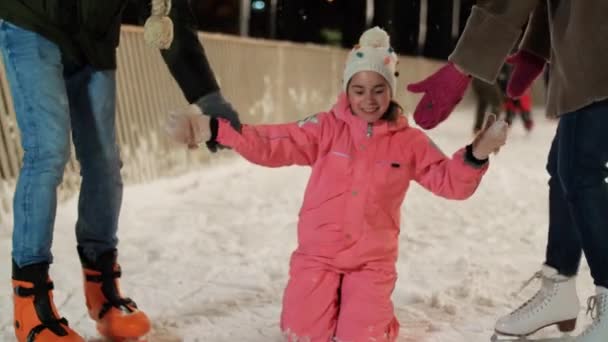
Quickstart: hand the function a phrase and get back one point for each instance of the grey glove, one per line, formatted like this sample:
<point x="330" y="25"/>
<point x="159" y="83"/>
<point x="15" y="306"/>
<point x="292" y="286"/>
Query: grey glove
<point x="214" y="105"/>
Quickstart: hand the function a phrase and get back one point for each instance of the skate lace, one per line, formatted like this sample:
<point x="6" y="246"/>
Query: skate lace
<point x="592" y="307"/>
<point x="521" y="308"/>
<point x="595" y="306"/>
<point x="547" y="290"/>
<point x="536" y="276"/>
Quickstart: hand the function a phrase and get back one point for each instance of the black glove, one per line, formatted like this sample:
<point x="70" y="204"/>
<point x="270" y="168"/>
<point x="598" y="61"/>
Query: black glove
<point x="214" y="105"/>
<point x="212" y="143"/>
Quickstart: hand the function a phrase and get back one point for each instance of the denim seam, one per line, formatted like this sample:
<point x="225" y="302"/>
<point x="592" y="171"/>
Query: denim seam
<point x="27" y="107"/>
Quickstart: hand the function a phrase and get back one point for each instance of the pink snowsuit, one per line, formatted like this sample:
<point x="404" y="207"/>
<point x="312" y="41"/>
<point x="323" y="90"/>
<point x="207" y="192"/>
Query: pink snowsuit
<point x="343" y="272"/>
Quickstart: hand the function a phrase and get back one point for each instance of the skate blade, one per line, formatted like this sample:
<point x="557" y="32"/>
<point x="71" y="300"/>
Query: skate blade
<point x="123" y="339"/>
<point x="139" y="339"/>
<point x="502" y="338"/>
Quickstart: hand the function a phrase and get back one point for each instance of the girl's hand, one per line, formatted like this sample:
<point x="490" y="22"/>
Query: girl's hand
<point x="188" y="126"/>
<point x="491" y="138"/>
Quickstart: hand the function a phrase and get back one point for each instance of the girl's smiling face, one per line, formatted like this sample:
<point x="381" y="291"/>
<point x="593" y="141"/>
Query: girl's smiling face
<point x="369" y="95"/>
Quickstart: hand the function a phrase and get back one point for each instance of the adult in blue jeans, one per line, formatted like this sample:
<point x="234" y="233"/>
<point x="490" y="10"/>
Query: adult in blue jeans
<point x="60" y="60"/>
<point x="571" y="38"/>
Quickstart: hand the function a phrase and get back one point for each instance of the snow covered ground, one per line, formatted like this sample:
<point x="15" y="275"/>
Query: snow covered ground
<point x="206" y="254"/>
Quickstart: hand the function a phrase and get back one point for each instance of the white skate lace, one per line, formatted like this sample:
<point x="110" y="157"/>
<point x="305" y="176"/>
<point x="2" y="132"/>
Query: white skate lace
<point x="521" y="308"/>
<point x="531" y="303"/>
<point x="595" y="306"/>
<point x="537" y="275"/>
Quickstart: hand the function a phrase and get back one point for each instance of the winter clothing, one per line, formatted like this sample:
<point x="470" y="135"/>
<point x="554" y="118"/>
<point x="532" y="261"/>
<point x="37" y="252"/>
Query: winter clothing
<point x="322" y="301"/>
<point x="51" y="99"/>
<point x="349" y="221"/>
<point x="188" y="126"/>
<point x="338" y="145"/>
<point x="186" y="57"/>
<point x="567" y="34"/>
<point x="158" y="29"/>
<point x="60" y="60"/>
<point x="86" y="31"/>
<point x="564" y="33"/>
<point x="522" y="106"/>
<point x="187" y="62"/>
<point x="488" y="95"/>
<point x="577" y="211"/>
<point x="373" y="53"/>
<point x="526" y="68"/>
<point x="73" y="87"/>
<point x="215" y="104"/>
<point x="443" y="91"/>
<point x="578" y="166"/>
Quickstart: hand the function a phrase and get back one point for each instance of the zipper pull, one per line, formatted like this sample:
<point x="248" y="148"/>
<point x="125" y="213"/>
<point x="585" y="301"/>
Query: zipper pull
<point x="369" y="129"/>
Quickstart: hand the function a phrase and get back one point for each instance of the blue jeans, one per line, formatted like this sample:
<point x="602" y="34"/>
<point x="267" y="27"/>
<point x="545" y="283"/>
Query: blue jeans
<point x="53" y="98"/>
<point x="578" y="193"/>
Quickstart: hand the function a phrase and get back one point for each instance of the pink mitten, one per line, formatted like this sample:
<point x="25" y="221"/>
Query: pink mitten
<point x="526" y="68"/>
<point x="443" y="91"/>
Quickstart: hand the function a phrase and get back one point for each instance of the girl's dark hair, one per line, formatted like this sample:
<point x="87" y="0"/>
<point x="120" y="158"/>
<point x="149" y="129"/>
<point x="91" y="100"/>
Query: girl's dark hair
<point x="393" y="111"/>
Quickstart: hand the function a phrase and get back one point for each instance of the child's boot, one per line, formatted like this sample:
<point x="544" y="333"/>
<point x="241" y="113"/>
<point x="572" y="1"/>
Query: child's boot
<point x="556" y="303"/>
<point x="117" y="318"/>
<point x="36" y="317"/>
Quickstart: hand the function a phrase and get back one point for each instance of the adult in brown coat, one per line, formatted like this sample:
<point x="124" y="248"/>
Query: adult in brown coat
<point x="571" y="38"/>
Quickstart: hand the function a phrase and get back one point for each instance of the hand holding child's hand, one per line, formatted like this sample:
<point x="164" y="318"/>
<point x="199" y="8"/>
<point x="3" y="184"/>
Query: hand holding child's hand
<point x="188" y="126"/>
<point x="491" y="138"/>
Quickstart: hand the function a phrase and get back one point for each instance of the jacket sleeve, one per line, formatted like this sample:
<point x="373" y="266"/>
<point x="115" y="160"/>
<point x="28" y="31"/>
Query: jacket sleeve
<point x="277" y="145"/>
<point x="186" y="57"/>
<point x="491" y="32"/>
<point x="537" y="38"/>
<point x="452" y="178"/>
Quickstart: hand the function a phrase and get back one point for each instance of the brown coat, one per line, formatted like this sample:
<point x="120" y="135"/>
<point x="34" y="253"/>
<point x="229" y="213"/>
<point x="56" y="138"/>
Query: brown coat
<point x="572" y="35"/>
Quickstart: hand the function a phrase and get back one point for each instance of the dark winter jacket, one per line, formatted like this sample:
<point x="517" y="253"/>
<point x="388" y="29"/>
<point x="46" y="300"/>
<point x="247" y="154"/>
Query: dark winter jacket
<point x="87" y="31"/>
<point x="95" y="42"/>
<point x="186" y="57"/>
<point x="571" y="35"/>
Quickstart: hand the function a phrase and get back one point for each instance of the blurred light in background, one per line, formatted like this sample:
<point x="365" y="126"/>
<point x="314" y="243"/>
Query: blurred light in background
<point x="258" y="5"/>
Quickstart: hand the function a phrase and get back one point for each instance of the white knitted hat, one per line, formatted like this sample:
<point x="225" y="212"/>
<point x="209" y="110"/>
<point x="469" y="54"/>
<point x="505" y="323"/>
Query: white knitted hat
<point x="373" y="53"/>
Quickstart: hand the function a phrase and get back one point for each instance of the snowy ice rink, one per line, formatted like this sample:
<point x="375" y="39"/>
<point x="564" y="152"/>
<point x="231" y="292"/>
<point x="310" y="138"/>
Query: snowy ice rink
<point x="206" y="254"/>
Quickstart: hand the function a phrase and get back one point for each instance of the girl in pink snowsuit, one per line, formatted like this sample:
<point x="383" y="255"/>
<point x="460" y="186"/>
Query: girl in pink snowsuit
<point x="363" y="155"/>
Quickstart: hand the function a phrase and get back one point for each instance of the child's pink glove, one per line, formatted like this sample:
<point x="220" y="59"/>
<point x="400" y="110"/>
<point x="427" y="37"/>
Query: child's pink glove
<point x="443" y="91"/>
<point x="526" y="68"/>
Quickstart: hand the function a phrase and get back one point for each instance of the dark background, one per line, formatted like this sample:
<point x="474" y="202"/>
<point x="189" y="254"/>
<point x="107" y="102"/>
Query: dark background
<point x="426" y="28"/>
